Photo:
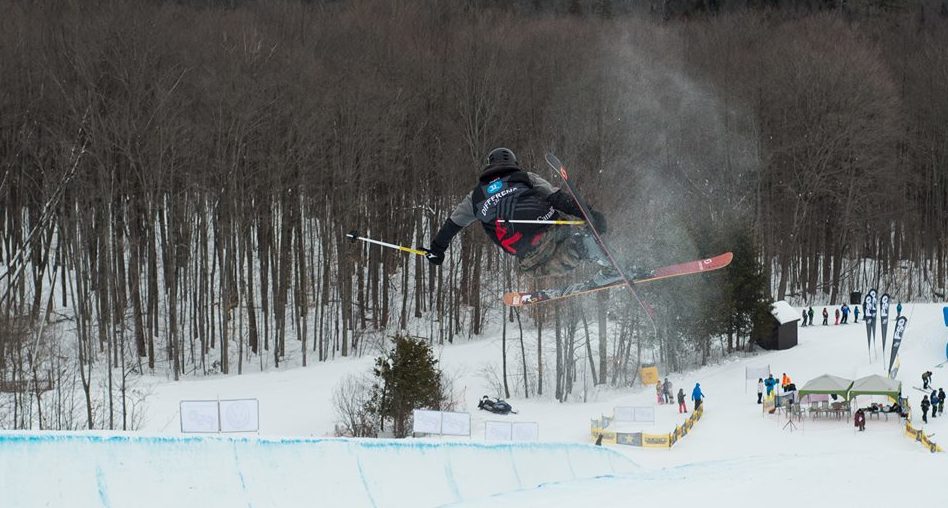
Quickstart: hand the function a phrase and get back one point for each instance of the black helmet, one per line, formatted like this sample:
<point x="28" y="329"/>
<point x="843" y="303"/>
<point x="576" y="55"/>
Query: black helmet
<point x="501" y="156"/>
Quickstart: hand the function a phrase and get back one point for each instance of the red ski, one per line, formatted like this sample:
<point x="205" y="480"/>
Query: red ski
<point x="520" y="298"/>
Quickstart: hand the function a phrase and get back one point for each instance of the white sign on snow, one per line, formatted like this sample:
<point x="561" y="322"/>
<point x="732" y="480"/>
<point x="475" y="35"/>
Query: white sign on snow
<point x="455" y="424"/>
<point x="526" y="431"/>
<point x="511" y="431"/>
<point x="241" y="415"/>
<point x="624" y="414"/>
<point x="199" y="416"/>
<point x="498" y="431"/>
<point x="634" y="414"/>
<point x="645" y="415"/>
<point x="426" y="421"/>
<point x="756" y="372"/>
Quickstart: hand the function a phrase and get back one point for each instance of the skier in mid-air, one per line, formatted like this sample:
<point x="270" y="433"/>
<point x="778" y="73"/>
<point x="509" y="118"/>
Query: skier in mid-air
<point x="506" y="192"/>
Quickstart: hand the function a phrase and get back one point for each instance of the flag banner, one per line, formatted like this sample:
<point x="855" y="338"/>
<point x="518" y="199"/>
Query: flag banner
<point x="869" y="311"/>
<point x="894" y="371"/>
<point x="897" y="340"/>
<point x="884" y="318"/>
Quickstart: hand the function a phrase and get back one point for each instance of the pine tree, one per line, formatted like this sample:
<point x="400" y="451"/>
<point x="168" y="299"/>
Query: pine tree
<point x="406" y="378"/>
<point x="745" y="301"/>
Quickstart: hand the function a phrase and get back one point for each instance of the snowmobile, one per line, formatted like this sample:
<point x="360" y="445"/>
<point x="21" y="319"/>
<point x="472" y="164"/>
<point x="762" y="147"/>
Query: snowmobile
<point x="496" y="406"/>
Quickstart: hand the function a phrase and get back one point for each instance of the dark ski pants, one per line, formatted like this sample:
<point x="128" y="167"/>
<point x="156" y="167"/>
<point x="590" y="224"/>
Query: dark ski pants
<point x="560" y="251"/>
<point x="697" y="404"/>
<point x="925" y="415"/>
<point x="824" y="321"/>
<point x="759" y="397"/>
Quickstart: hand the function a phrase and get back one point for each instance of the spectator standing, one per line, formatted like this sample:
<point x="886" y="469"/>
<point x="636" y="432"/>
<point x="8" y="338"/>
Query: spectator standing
<point x="826" y="316"/>
<point x="697" y="396"/>
<point x="760" y="390"/>
<point x="856" y="314"/>
<point x="810" y="313"/>
<point x="836" y="321"/>
<point x="934" y="400"/>
<point x="898" y="310"/>
<point x="770" y="383"/>
<point x="925" y="406"/>
<point x="659" y="393"/>
<point x="804" y="317"/>
<point x="667" y="391"/>
<point x="785" y="380"/>
<point x="941" y="400"/>
<point x="845" y="314"/>
<point x="682" y="408"/>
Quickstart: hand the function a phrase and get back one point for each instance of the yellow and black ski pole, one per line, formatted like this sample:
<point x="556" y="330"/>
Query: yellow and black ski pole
<point x="354" y="235"/>
<point x="559" y="222"/>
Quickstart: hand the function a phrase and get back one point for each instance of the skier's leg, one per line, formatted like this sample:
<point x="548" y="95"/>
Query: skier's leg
<point x="554" y="255"/>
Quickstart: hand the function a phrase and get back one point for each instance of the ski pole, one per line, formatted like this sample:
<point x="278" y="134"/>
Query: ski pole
<point x="354" y="235"/>
<point x="530" y="221"/>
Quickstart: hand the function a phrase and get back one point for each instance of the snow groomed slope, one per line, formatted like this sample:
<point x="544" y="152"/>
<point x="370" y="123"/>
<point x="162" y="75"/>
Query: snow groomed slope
<point x="120" y="470"/>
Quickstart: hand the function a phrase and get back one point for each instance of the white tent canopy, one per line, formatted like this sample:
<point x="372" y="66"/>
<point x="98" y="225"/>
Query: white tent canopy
<point x="876" y="385"/>
<point x="827" y="384"/>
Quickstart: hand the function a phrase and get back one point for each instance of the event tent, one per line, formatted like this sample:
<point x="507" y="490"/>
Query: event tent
<point x="827" y="384"/>
<point x="876" y="385"/>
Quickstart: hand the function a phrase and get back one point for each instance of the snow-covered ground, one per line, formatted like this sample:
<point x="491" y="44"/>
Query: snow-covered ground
<point x="734" y="456"/>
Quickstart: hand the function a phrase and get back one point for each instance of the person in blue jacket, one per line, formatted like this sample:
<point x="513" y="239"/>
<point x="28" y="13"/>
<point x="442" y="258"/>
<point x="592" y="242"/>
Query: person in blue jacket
<point x="898" y="310"/>
<point x="934" y="400"/>
<point x="856" y="314"/>
<point x="697" y="396"/>
<point x="770" y="383"/>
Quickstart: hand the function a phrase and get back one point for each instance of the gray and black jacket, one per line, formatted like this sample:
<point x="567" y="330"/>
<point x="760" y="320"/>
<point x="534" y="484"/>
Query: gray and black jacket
<point x="504" y="191"/>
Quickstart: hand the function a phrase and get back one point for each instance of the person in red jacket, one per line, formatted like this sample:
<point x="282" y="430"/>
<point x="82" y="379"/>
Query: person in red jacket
<point x="860" y="420"/>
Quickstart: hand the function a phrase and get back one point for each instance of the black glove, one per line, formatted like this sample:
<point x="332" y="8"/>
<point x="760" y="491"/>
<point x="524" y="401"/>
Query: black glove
<point x="598" y="221"/>
<point x="434" y="256"/>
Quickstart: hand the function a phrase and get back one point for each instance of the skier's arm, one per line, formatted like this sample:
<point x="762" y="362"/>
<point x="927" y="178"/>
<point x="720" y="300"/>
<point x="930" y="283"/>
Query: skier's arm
<point x="562" y="202"/>
<point x="461" y="217"/>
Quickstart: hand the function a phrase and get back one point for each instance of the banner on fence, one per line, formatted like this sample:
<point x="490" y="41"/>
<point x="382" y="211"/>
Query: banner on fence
<point x="646" y="440"/>
<point x="919" y="435"/>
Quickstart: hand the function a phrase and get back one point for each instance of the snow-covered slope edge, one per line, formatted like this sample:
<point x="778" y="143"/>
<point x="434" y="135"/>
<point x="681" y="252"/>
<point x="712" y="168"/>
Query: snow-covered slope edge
<point x="83" y="470"/>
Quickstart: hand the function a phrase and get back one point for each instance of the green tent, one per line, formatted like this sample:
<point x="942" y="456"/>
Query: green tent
<point x="876" y="385"/>
<point x="827" y="384"/>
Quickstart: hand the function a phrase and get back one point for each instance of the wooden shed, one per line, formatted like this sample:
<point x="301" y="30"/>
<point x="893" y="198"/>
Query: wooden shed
<point x="783" y="334"/>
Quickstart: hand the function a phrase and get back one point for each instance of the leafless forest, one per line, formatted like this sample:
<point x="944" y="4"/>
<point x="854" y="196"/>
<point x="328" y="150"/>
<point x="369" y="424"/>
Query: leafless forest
<point x="177" y="177"/>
